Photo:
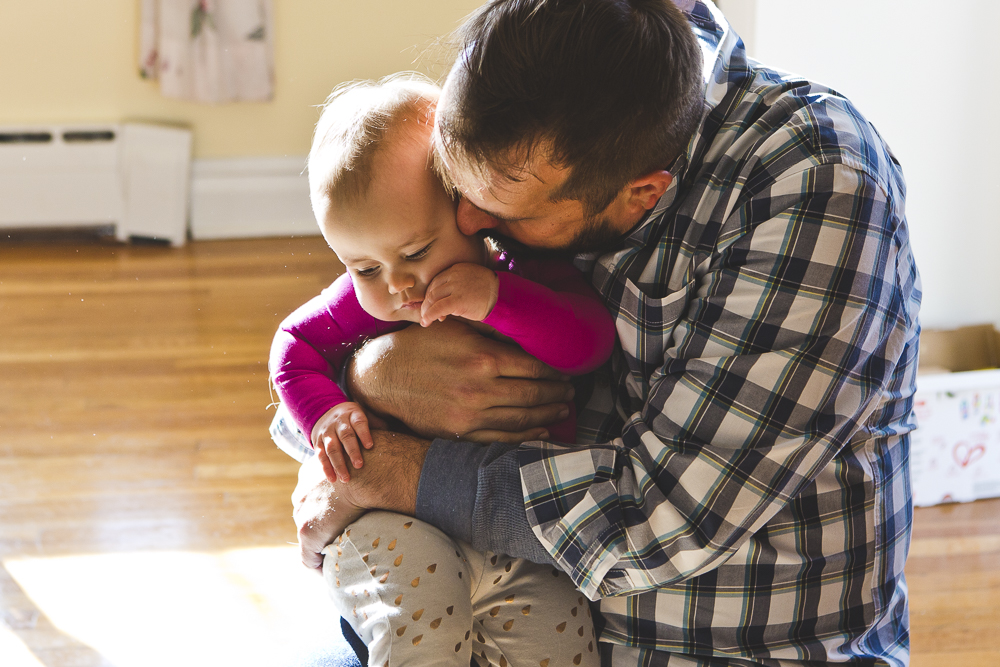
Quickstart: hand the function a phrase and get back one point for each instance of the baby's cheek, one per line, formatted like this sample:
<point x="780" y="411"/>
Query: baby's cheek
<point x="374" y="304"/>
<point x="385" y="308"/>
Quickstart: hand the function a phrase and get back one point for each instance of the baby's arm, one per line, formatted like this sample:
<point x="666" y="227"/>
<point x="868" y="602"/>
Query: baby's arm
<point x="307" y="351"/>
<point x="555" y="316"/>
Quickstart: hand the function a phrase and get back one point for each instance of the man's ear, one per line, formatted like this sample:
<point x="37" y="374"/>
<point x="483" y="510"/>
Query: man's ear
<point x="643" y="193"/>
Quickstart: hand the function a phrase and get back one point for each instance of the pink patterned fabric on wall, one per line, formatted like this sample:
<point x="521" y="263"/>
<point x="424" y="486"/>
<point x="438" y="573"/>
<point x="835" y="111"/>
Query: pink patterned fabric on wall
<point x="209" y="51"/>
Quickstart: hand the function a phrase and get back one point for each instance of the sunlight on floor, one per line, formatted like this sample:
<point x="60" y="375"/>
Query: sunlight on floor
<point x="245" y="607"/>
<point x="14" y="652"/>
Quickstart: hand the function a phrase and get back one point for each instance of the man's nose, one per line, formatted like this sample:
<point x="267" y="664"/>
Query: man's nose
<point x="399" y="281"/>
<point x="470" y="219"/>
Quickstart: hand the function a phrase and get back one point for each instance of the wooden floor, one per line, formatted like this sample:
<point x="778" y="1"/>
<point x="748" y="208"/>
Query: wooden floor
<point x="144" y="512"/>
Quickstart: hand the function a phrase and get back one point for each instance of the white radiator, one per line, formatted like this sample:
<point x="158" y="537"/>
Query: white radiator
<point x="133" y="176"/>
<point x="247" y="197"/>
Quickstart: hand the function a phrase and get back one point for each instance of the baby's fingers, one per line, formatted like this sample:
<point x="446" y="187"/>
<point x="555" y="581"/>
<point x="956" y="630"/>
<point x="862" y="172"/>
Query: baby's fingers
<point x="349" y="440"/>
<point x="336" y="453"/>
<point x="436" y="310"/>
<point x="438" y="291"/>
<point x="360" y="423"/>
<point x="324" y="462"/>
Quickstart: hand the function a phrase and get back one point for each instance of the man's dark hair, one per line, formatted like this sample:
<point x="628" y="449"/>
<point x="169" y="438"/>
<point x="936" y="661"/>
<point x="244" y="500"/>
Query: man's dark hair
<point x="612" y="89"/>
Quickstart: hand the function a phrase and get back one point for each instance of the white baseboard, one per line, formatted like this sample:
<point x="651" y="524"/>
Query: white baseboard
<point x="250" y="197"/>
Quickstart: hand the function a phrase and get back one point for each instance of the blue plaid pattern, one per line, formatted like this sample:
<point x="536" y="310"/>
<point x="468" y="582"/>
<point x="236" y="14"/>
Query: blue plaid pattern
<point x="745" y="498"/>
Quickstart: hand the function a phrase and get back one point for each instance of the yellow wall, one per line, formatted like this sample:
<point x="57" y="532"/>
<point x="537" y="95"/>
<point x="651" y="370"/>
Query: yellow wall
<point x="75" y="60"/>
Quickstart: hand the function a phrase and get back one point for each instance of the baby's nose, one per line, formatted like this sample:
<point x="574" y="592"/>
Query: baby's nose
<point x="399" y="282"/>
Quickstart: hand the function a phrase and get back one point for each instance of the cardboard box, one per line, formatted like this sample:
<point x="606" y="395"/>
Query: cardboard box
<point x="955" y="451"/>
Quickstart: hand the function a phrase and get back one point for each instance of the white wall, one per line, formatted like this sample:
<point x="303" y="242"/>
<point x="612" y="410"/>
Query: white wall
<point x="742" y="14"/>
<point x="73" y="61"/>
<point x="925" y="75"/>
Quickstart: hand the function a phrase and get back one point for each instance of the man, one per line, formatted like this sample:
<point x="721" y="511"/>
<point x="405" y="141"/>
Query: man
<point x="744" y="495"/>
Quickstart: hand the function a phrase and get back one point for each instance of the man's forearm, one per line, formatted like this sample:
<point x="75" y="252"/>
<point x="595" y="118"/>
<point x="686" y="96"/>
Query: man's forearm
<point x="360" y="377"/>
<point x="449" y="381"/>
<point x="390" y="476"/>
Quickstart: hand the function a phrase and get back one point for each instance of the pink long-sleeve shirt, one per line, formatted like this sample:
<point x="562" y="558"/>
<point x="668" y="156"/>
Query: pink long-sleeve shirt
<point x="546" y="307"/>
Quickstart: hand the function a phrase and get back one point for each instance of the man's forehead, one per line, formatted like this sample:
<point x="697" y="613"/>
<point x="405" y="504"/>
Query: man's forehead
<point x="528" y="172"/>
<point x="528" y="186"/>
<point x="485" y="184"/>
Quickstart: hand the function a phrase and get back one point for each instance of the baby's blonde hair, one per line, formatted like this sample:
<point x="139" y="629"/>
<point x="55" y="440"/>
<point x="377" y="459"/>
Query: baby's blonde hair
<point x="357" y="119"/>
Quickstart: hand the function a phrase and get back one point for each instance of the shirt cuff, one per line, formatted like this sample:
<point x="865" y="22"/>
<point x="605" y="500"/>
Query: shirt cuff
<point x="472" y="492"/>
<point x="446" y="494"/>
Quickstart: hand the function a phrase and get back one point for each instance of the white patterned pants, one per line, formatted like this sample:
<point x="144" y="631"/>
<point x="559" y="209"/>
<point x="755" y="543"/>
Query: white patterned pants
<point x="417" y="597"/>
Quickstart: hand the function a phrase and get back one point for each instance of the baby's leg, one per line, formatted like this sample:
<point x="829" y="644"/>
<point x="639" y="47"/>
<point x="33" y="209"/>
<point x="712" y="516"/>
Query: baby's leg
<point x="404" y="588"/>
<point x="530" y="614"/>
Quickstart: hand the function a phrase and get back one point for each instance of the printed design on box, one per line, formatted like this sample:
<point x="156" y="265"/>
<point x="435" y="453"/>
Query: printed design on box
<point x="966" y="454"/>
<point x="955" y="451"/>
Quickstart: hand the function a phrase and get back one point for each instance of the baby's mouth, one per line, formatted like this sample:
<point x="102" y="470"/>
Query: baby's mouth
<point x="412" y="305"/>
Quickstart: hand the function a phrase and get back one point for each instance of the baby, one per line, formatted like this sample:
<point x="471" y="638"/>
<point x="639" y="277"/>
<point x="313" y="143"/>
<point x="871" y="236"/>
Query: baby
<point x="412" y="593"/>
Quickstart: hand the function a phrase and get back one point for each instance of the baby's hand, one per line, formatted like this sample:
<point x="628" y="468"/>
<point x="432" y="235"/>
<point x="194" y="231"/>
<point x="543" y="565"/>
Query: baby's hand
<point x="464" y="290"/>
<point x="339" y="431"/>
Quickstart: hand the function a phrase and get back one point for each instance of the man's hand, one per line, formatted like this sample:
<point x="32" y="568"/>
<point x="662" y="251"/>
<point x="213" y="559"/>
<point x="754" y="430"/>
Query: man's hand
<point x="450" y="381"/>
<point x="388" y="481"/>
<point x="321" y="511"/>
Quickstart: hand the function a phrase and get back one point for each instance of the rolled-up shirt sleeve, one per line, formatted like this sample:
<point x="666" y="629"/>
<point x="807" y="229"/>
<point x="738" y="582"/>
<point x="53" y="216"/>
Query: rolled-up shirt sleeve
<point x="472" y="492"/>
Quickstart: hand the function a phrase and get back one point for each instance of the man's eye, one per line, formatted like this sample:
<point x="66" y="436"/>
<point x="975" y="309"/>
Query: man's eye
<point x="367" y="272"/>
<point x="420" y="253"/>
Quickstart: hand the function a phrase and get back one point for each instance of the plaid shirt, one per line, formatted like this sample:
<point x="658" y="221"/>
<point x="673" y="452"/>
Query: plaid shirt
<point x="746" y="498"/>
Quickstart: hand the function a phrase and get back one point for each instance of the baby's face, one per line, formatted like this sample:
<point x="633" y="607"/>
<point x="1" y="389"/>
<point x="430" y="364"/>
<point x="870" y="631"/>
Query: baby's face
<point x="401" y="235"/>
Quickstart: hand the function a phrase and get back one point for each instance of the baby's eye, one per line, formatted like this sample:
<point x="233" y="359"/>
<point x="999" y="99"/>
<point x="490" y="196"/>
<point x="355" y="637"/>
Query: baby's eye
<point x="367" y="272"/>
<point x="420" y="253"/>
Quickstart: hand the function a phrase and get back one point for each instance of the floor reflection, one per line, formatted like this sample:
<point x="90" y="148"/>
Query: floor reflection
<point x="28" y="638"/>
<point x="152" y="609"/>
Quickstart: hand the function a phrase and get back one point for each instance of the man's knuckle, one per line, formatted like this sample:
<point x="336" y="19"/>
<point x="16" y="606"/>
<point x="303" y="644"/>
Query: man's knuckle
<point x="452" y="420"/>
<point x="483" y="363"/>
<point x="457" y="419"/>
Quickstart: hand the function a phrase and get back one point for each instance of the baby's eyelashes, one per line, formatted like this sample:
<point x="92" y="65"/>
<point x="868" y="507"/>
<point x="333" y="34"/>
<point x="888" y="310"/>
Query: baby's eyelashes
<point x="367" y="272"/>
<point x="420" y="253"/>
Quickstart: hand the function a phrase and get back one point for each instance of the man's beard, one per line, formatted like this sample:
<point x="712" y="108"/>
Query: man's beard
<point x="598" y="235"/>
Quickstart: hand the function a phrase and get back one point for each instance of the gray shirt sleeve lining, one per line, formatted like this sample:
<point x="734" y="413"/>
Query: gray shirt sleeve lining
<point x="473" y="493"/>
